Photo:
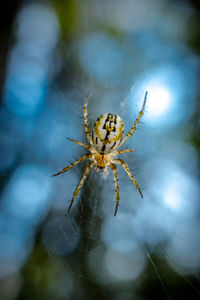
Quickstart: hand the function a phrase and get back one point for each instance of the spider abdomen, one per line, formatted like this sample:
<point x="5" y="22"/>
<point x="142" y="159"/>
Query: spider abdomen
<point x="107" y="133"/>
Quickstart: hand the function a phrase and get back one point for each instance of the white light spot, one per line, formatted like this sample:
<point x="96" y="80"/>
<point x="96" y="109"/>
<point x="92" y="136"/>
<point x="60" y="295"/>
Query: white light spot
<point x="159" y="101"/>
<point x="172" y="197"/>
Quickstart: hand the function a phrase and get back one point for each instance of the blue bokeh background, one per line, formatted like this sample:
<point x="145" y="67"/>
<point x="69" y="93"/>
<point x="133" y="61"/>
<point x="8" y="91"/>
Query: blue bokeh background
<point x="57" y="52"/>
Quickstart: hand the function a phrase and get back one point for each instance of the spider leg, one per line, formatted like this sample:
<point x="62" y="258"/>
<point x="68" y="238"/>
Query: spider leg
<point x="82" y="144"/>
<point x="114" y="169"/>
<point x="87" y="170"/>
<point x="124" y="165"/>
<point x="123" y="151"/>
<point x="87" y="131"/>
<point x="86" y="156"/>
<point x="130" y="133"/>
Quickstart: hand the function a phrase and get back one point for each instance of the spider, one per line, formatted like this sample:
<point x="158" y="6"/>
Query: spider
<point x="106" y="138"/>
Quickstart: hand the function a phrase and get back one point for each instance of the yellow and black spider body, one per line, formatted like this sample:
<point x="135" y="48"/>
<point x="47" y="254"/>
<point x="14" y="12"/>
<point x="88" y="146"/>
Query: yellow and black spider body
<point x="106" y="138"/>
<point x="107" y="133"/>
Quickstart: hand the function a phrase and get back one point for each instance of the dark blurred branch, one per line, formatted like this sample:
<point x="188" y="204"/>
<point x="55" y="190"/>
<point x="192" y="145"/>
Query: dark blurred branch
<point x="7" y="16"/>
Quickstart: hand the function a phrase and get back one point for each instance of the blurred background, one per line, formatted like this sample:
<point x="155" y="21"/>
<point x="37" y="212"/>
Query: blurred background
<point x="52" y="53"/>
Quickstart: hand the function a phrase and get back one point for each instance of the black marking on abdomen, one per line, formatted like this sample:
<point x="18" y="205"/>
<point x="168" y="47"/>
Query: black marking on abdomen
<point x="107" y="134"/>
<point x="96" y="140"/>
<point x="103" y="148"/>
<point x="107" y="120"/>
<point x="113" y="145"/>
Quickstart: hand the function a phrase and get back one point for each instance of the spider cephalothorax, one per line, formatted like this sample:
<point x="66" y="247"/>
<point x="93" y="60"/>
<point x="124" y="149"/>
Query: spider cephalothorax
<point x="107" y="136"/>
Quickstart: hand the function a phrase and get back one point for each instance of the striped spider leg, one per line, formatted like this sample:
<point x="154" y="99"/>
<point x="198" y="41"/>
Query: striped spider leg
<point x="106" y="138"/>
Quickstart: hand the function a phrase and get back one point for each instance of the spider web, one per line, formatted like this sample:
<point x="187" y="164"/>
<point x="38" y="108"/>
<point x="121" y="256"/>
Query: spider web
<point x="104" y="250"/>
<point x="151" y="248"/>
<point x="94" y="248"/>
<point x="88" y="238"/>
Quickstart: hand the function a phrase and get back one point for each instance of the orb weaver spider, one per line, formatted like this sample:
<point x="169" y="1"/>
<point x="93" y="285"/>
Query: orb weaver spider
<point x="106" y="138"/>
